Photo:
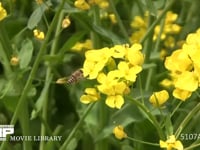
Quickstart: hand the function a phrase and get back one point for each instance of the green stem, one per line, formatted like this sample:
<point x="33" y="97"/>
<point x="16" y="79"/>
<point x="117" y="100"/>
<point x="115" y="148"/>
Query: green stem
<point x="25" y="125"/>
<point x="147" y="51"/>
<point x="176" y="108"/>
<point x="96" y="19"/>
<point x="158" y="41"/>
<point x="103" y="117"/>
<point x="151" y="28"/>
<point x="187" y="119"/>
<point x="149" y="78"/>
<point x="143" y="142"/>
<point x="48" y="129"/>
<point x="49" y="78"/>
<point x="151" y="118"/>
<point x="140" y="7"/>
<point x="33" y="72"/>
<point x="141" y="88"/>
<point x="5" y="61"/>
<point x="192" y="147"/>
<point x="79" y="123"/>
<point x="45" y="106"/>
<point x="121" y="26"/>
<point x="148" y="44"/>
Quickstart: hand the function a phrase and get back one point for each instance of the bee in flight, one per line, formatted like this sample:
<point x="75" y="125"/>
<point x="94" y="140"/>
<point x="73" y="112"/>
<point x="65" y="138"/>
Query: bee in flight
<point x="73" y="78"/>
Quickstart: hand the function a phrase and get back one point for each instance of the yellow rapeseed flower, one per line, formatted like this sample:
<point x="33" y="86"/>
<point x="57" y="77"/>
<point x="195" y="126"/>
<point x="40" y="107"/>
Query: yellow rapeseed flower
<point x="80" y="46"/>
<point x="38" y="34"/>
<point x="181" y="94"/>
<point x="112" y="88"/>
<point x="3" y="12"/>
<point x="129" y="72"/>
<point x="113" y="18"/>
<point x="91" y="95"/>
<point x="14" y="61"/>
<point x="101" y="3"/>
<point x="171" y="143"/>
<point x="95" y="62"/>
<point x="118" y="51"/>
<point x="178" y="62"/>
<point x="66" y="22"/>
<point x="182" y="81"/>
<point x="138" y="22"/>
<point x="39" y="2"/>
<point x="159" y="98"/>
<point x="166" y="83"/>
<point x="119" y="133"/>
<point x="134" y="55"/>
<point x="82" y="4"/>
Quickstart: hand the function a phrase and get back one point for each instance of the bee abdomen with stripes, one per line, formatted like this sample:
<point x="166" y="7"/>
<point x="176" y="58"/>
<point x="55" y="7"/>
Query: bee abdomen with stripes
<point x="75" y="76"/>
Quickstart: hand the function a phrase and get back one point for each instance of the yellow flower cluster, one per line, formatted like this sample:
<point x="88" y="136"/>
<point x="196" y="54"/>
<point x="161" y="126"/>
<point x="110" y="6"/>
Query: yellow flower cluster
<point x="184" y="65"/>
<point x="169" y="27"/>
<point x="114" y="69"/>
<point x="3" y="12"/>
<point x="171" y="143"/>
<point x="85" y="5"/>
<point x="139" y="26"/>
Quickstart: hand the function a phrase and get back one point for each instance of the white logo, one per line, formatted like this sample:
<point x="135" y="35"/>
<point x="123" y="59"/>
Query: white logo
<point x="5" y="130"/>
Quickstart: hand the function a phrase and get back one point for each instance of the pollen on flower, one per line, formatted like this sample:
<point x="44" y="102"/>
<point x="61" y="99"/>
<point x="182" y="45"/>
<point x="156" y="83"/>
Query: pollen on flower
<point x="119" y="133"/>
<point x="38" y="34"/>
<point x="3" y="12"/>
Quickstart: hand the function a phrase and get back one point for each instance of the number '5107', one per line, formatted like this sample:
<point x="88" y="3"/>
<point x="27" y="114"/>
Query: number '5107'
<point x="189" y="136"/>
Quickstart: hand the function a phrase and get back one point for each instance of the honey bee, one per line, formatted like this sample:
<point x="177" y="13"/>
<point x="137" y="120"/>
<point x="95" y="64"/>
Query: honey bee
<point x="75" y="76"/>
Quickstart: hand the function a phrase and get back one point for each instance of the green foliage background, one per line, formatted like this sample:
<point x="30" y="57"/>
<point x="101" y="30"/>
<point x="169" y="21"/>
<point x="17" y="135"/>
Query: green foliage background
<point x="30" y="99"/>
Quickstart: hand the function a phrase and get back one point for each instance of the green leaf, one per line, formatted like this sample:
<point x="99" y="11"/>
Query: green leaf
<point x="72" y="144"/>
<point x="72" y="41"/>
<point x="159" y="4"/>
<point x="40" y="101"/>
<point x="10" y="102"/>
<point x="25" y="53"/>
<point x="151" y="8"/>
<point x="36" y="16"/>
<point x="4" y="87"/>
<point x="69" y="9"/>
<point x="125" y="116"/>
